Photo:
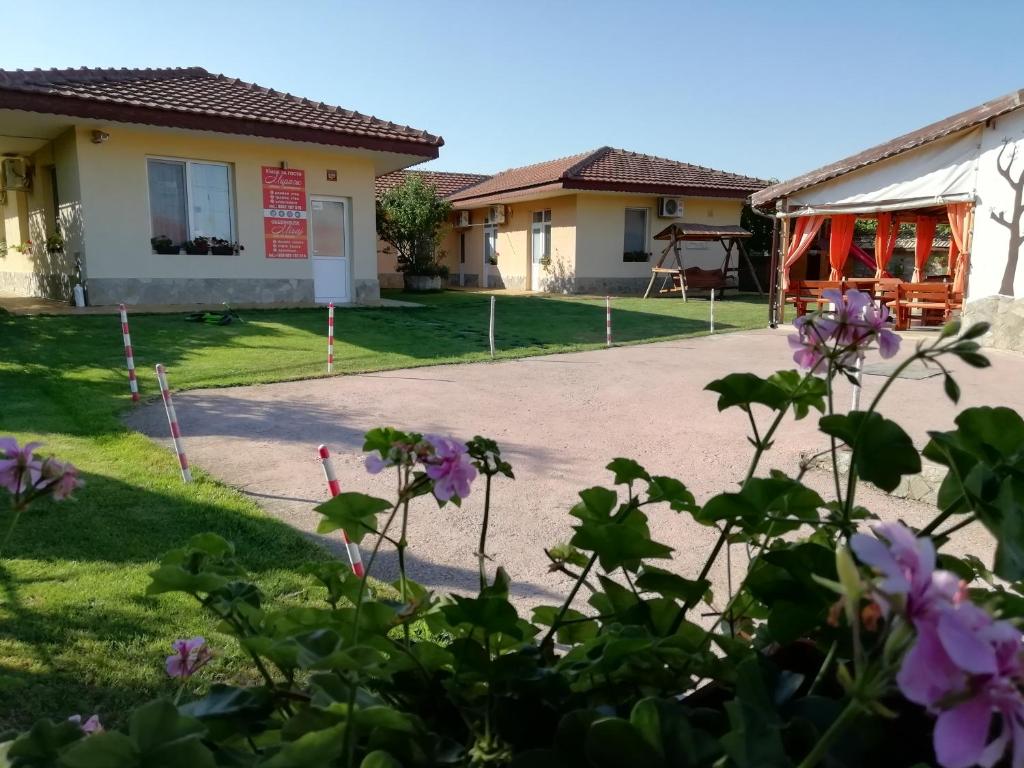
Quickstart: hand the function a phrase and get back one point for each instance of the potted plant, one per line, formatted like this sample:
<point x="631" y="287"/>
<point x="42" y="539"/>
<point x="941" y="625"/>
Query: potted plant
<point x="411" y="218"/>
<point x="163" y="244"/>
<point x="197" y="246"/>
<point x="221" y="247"/>
<point x="25" y="247"/>
<point x="55" y="243"/>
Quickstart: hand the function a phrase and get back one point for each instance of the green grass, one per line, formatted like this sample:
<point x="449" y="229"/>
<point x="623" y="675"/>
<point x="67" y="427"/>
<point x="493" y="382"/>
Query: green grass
<point x="77" y="633"/>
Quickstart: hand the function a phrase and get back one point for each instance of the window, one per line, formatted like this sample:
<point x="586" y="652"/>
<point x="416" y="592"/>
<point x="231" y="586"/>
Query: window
<point x="634" y="240"/>
<point x="189" y="199"/>
<point x="541" y="231"/>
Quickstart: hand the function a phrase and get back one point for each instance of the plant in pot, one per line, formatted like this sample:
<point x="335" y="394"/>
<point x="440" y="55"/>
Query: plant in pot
<point x="55" y="243"/>
<point x="411" y="218"/>
<point x="221" y="247"/>
<point x="163" y="244"/>
<point x="197" y="245"/>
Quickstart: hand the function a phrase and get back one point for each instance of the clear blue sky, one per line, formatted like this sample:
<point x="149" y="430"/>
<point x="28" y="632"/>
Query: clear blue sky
<point x="767" y="89"/>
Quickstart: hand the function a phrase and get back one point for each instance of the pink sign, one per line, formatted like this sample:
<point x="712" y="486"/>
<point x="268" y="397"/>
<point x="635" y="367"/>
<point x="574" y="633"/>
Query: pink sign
<point x="285" y="227"/>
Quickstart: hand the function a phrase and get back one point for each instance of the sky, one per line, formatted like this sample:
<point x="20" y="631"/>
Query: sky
<point x="765" y="89"/>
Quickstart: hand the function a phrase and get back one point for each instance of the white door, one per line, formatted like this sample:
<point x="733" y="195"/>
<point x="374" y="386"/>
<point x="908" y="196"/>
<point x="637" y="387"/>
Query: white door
<point x="329" y="241"/>
<point x="540" y="248"/>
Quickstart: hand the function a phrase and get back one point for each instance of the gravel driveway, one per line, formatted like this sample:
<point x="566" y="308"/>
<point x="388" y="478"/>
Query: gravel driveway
<point x="559" y="419"/>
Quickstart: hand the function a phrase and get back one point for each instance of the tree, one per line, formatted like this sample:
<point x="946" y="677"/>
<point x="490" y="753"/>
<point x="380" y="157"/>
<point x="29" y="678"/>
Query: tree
<point x="1016" y="214"/>
<point x="411" y="218"/>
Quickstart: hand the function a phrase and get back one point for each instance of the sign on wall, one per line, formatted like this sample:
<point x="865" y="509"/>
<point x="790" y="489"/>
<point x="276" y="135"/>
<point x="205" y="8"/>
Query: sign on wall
<point x="285" y="228"/>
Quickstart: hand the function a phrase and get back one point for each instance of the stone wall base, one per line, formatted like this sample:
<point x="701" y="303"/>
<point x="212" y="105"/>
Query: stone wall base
<point x="468" y="280"/>
<point x="391" y="281"/>
<point x="49" y="286"/>
<point x="601" y="286"/>
<point x="205" y="290"/>
<point x="366" y="290"/>
<point x="1006" y="316"/>
<point x="507" y="282"/>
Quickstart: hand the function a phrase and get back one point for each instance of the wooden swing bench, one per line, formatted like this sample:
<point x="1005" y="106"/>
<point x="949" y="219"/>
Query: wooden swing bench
<point x="680" y="279"/>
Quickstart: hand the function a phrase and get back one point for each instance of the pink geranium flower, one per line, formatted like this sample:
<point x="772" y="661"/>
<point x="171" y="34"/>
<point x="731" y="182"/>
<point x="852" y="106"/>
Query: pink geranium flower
<point x="842" y="334"/>
<point x="60" y="479"/>
<point x="19" y="467"/>
<point x="90" y="726"/>
<point x="188" y="658"/>
<point x="449" y="466"/>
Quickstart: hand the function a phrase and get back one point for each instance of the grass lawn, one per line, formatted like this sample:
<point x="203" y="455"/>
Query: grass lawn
<point x="77" y="633"/>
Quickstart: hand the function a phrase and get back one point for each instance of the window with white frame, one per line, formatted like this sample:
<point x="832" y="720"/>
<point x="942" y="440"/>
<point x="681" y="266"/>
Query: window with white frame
<point x="541" y="230"/>
<point x="634" y="240"/>
<point x="190" y="199"/>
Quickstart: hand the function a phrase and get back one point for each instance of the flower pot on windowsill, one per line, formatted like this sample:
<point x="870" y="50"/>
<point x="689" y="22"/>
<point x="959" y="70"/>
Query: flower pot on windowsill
<point x="197" y="250"/>
<point x="222" y="250"/>
<point x="423" y="283"/>
<point x="167" y="250"/>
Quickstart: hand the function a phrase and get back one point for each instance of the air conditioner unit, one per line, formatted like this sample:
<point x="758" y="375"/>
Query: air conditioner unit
<point x="670" y="208"/>
<point x="497" y="214"/>
<point x="462" y="220"/>
<point x="15" y="174"/>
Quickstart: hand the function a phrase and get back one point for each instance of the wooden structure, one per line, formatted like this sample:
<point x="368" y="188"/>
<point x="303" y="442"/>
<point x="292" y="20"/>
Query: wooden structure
<point x="676" y="277"/>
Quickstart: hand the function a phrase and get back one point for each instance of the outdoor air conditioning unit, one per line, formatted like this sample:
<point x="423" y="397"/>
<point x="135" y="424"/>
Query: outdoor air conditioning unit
<point x="462" y="220"/>
<point x="497" y="214"/>
<point x="670" y="208"/>
<point x="15" y="174"/>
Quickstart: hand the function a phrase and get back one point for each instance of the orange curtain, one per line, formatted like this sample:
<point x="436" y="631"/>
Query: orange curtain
<point x="839" y="242"/>
<point x="957" y="213"/>
<point x="804" y="232"/>
<point x="885" y="241"/>
<point x="925" y="226"/>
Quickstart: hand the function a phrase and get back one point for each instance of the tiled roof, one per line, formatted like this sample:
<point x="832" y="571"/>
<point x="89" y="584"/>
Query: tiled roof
<point x="617" y="170"/>
<point x="908" y="141"/>
<point x="194" y="98"/>
<point x="684" y="231"/>
<point x="446" y="183"/>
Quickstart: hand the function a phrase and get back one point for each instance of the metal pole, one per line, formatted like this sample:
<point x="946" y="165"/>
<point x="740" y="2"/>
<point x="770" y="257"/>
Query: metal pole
<point x="129" y="355"/>
<point x="172" y="420"/>
<point x="608" y="321"/>
<point x="711" y="317"/>
<point x="491" y="331"/>
<point x="355" y="558"/>
<point x="858" y="375"/>
<point x="330" y="337"/>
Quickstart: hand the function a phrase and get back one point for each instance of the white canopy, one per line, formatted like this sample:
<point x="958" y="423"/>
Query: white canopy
<point x="938" y="173"/>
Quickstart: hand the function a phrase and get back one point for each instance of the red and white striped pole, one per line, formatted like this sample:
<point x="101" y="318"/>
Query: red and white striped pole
<point x="172" y="419"/>
<point x="129" y="355"/>
<point x="330" y="337"/>
<point x="355" y="558"/>
<point x="608" y="321"/>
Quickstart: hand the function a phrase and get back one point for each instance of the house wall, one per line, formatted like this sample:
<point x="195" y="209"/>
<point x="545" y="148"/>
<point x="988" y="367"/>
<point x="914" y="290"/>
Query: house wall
<point x="601" y="229"/>
<point x="30" y="216"/>
<point x="120" y="263"/>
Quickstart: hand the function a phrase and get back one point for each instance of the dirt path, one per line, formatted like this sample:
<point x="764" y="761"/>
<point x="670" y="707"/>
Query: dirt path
<point x="559" y="419"/>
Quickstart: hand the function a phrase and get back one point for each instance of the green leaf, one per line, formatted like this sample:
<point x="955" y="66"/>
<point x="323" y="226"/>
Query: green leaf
<point x="627" y="471"/>
<point x="663" y="725"/>
<point x="612" y="743"/>
<point x="754" y="739"/>
<point x="671" y="585"/>
<point x="580" y="629"/>
<point x="379" y="759"/>
<point x="355" y="513"/>
<point x="951" y="388"/>
<point x="490" y="614"/>
<point x="802" y="390"/>
<point x="44" y="741"/>
<point x="381" y="439"/>
<point x="668" y="489"/>
<point x="317" y="748"/>
<point x="745" y="389"/>
<point x="789" y="503"/>
<point x="103" y="750"/>
<point x="883" y="452"/>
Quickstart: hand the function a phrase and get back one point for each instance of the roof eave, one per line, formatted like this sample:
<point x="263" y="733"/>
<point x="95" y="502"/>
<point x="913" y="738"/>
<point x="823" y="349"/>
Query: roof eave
<point x="681" y="190"/>
<point x="125" y="113"/>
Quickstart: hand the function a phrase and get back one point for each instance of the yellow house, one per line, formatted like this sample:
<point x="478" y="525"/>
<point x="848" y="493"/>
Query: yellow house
<point x="180" y="186"/>
<point x="586" y="223"/>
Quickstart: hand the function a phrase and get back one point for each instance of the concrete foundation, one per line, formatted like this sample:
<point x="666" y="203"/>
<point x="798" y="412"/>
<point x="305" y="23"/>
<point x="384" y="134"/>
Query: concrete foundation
<point x="1006" y="316"/>
<point x="199" y="290"/>
<point x="600" y="286"/>
<point x="50" y="286"/>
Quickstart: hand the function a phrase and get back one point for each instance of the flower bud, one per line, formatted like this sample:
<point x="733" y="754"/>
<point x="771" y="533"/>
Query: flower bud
<point x="849" y="578"/>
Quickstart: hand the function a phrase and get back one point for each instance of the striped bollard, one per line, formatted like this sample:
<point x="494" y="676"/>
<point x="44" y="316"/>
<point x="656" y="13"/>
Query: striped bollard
<point x="355" y="558"/>
<point x="608" y="321"/>
<point x="172" y="419"/>
<point x="129" y="355"/>
<point x="711" y="312"/>
<point x="330" y="337"/>
<point x="490" y="331"/>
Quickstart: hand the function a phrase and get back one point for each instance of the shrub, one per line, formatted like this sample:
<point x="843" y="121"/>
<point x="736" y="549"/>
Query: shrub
<point x="839" y="647"/>
<point x="412" y="217"/>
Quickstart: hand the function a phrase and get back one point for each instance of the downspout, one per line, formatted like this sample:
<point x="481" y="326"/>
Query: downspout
<point x="773" y="269"/>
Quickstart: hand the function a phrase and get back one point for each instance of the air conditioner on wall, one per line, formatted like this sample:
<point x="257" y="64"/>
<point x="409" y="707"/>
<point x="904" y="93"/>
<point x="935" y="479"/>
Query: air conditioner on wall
<point x="462" y="220"/>
<point x="15" y="174"/>
<point x="670" y="208"/>
<point x="497" y="214"/>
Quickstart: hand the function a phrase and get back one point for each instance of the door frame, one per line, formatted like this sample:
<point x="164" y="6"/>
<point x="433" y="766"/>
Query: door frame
<point x="346" y="203"/>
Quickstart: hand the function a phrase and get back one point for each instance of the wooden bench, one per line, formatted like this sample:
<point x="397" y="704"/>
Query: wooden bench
<point x="801" y="293"/>
<point x="933" y="301"/>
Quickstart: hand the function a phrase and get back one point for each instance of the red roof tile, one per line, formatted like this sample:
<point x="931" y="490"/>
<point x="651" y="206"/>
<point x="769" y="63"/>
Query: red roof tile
<point x="194" y="98"/>
<point x="611" y="169"/>
<point x="446" y="183"/>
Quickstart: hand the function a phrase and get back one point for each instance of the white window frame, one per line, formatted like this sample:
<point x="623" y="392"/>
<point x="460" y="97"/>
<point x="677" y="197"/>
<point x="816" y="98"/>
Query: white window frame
<point x="543" y="225"/>
<point x="647" y="227"/>
<point x="232" y="206"/>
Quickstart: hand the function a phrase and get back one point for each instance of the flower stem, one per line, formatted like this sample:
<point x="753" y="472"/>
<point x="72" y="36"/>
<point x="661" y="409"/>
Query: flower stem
<point x="816" y="755"/>
<point x="481" y="552"/>
<point x="10" y="529"/>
